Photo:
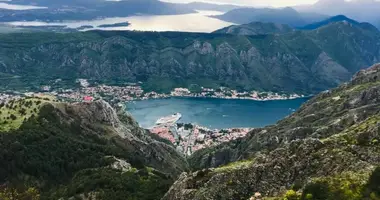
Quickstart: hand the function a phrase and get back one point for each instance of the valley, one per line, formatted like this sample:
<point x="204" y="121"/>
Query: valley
<point x="178" y="100"/>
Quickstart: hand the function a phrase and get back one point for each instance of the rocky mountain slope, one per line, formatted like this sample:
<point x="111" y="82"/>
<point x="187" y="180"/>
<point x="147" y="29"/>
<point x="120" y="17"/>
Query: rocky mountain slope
<point x="68" y="151"/>
<point x="326" y="150"/>
<point x="337" y="18"/>
<point x="288" y="16"/>
<point x="300" y="61"/>
<point x="256" y="28"/>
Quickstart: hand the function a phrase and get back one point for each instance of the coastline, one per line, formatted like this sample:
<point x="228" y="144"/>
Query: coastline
<point x="224" y="98"/>
<point x="135" y="92"/>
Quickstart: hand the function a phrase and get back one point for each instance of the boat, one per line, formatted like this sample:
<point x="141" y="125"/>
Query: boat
<point x="172" y="119"/>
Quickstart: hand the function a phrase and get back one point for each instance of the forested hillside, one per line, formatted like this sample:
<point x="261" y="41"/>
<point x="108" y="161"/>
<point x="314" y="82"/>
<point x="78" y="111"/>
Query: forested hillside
<point x="81" y="150"/>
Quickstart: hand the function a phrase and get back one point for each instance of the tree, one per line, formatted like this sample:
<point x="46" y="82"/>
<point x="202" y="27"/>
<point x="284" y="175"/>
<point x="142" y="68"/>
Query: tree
<point x="13" y="194"/>
<point x="13" y="117"/>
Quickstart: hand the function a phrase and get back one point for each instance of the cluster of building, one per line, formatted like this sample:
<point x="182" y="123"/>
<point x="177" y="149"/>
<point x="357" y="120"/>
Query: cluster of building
<point x="134" y="91"/>
<point x="189" y="138"/>
<point x="119" y="93"/>
<point x="226" y="93"/>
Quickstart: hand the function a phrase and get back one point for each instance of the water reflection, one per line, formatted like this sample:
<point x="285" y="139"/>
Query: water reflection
<point x="18" y="7"/>
<point x="195" y="22"/>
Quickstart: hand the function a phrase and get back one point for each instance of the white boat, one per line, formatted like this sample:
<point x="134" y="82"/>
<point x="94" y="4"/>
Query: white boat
<point x="169" y="119"/>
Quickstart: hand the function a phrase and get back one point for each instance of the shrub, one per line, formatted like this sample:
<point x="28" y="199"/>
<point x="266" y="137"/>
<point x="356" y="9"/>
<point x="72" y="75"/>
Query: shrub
<point x="13" y="117"/>
<point x="292" y="195"/>
<point x="318" y="190"/>
<point x="373" y="184"/>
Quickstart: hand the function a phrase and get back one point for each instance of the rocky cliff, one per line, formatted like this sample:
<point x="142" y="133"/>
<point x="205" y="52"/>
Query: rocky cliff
<point x="101" y="119"/>
<point x="334" y="134"/>
<point x="300" y="61"/>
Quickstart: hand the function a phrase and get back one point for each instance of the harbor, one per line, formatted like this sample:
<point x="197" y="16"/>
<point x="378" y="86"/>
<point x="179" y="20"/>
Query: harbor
<point x="189" y="137"/>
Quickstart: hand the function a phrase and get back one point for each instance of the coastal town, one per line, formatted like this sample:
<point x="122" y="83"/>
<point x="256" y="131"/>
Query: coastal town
<point x="189" y="138"/>
<point x="134" y="91"/>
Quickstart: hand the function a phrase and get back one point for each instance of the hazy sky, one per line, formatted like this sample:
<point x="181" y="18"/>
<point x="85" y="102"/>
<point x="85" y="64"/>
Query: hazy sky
<point x="274" y="3"/>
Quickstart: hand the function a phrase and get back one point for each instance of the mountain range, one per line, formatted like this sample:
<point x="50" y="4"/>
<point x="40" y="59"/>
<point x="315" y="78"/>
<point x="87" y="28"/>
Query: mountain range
<point x="209" y="6"/>
<point x="260" y="28"/>
<point x="288" y="16"/>
<point x="306" y="61"/>
<point x="297" y="16"/>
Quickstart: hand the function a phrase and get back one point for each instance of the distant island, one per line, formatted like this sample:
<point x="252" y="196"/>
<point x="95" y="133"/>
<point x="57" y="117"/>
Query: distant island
<point x="121" y="24"/>
<point x="85" y="27"/>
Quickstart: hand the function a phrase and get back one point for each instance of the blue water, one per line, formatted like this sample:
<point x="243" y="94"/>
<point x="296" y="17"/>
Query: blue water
<point x="214" y="113"/>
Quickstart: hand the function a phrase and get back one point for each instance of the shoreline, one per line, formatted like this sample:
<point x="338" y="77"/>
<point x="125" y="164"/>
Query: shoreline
<point x="222" y="98"/>
<point x="135" y="92"/>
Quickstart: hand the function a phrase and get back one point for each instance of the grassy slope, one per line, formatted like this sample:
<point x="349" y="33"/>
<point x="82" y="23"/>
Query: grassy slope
<point x="13" y="114"/>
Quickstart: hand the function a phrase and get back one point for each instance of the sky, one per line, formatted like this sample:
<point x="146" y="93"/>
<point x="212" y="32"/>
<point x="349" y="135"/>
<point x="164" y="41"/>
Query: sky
<point x="272" y="3"/>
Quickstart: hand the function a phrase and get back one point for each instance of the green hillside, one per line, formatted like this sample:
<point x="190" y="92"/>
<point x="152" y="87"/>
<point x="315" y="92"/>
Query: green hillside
<point x="73" y="151"/>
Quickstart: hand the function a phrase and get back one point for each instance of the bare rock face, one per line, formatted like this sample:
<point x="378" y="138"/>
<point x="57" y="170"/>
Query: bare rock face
<point x="329" y="70"/>
<point x="335" y="132"/>
<point x="203" y="49"/>
<point x="96" y="112"/>
<point x="367" y="75"/>
<point x="100" y="118"/>
<point x="121" y="165"/>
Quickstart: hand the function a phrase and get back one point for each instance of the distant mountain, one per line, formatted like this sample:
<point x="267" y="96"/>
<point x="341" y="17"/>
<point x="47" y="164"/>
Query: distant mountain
<point x="338" y="18"/>
<point x="287" y="16"/>
<point x="299" y="61"/>
<point x="210" y="6"/>
<point x="360" y="10"/>
<point x="256" y="28"/>
<point x="86" y="10"/>
<point x="121" y="24"/>
<point x="59" y="3"/>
